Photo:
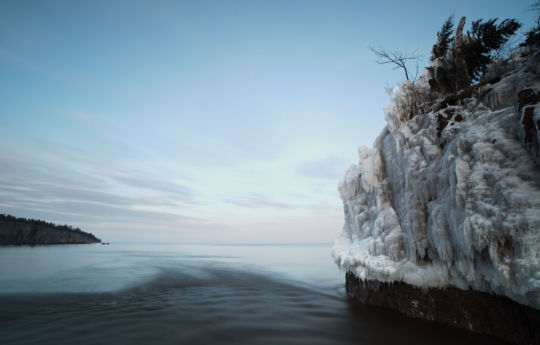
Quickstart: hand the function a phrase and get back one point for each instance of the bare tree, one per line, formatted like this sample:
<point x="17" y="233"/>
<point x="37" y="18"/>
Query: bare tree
<point x="397" y="58"/>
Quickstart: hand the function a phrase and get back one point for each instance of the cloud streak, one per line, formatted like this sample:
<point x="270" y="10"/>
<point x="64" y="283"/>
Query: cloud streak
<point x="257" y="201"/>
<point x="41" y="188"/>
<point x="254" y="201"/>
<point x="330" y="168"/>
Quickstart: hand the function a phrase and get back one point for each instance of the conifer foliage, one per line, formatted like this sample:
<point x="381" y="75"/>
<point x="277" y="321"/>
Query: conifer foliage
<point x="444" y="37"/>
<point x="484" y="38"/>
<point x="532" y="37"/>
<point x="459" y="60"/>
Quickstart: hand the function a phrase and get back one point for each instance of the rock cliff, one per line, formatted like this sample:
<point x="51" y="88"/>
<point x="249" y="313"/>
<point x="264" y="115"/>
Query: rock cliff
<point x="450" y="199"/>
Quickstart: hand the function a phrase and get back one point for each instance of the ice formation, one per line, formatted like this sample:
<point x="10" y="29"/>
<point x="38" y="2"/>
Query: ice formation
<point x="451" y="197"/>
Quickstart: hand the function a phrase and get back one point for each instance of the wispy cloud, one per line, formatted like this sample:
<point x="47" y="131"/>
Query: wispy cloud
<point x="28" y="64"/>
<point x="331" y="167"/>
<point x="46" y="188"/>
<point x="180" y="192"/>
<point x="257" y="201"/>
<point x="89" y="117"/>
<point x="261" y="201"/>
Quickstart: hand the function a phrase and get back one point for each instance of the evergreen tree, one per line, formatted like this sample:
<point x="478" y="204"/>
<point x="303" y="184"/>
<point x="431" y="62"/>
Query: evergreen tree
<point x="471" y="52"/>
<point x="532" y="37"/>
<point x="484" y="38"/>
<point x="444" y="37"/>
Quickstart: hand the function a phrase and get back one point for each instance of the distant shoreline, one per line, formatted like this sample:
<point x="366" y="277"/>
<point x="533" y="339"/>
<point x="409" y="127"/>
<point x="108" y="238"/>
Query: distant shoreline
<point x="21" y="231"/>
<point x="2" y="245"/>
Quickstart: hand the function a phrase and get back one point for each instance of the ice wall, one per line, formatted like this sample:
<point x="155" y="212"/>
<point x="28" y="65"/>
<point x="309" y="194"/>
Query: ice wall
<point x="451" y="197"/>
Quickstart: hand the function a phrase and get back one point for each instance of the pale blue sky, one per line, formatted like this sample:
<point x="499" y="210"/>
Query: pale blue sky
<point x="199" y="121"/>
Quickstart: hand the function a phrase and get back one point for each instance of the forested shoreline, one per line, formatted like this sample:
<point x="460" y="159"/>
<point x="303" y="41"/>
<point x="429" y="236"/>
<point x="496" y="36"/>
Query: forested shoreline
<point x="23" y="231"/>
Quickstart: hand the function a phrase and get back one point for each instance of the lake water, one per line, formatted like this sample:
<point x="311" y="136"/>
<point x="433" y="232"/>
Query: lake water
<point x="193" y="294"/>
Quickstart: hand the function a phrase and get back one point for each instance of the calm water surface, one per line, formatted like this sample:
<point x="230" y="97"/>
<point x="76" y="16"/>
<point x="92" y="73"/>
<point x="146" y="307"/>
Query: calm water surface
<point x="193" y="294"/>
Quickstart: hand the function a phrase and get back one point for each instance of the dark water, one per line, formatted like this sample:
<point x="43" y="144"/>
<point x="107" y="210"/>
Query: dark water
<point x="164" y="294"/>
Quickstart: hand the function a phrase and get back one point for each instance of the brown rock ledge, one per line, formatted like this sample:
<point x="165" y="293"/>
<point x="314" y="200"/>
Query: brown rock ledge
<point x="476" y="311"/>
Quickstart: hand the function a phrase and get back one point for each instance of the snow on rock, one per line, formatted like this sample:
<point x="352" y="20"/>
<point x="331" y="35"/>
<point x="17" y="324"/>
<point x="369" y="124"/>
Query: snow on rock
<point x="452" y="197"/>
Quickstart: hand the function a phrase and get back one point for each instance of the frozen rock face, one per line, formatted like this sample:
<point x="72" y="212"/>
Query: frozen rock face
<point x="452" y="197"/>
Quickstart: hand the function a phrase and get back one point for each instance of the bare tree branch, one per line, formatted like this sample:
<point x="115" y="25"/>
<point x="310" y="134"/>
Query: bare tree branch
<point x="417" y="71"/>
<point x="397" y="58"/>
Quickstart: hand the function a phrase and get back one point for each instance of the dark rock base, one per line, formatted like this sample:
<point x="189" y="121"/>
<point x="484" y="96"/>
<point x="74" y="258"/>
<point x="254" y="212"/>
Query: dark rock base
<point x="476" y="311"/>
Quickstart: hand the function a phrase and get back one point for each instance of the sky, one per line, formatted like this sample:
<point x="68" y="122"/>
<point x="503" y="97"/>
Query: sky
<point x="200" y="121"/>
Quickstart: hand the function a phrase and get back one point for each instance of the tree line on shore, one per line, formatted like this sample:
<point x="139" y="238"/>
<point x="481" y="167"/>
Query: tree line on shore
<point x="42" y="223"/>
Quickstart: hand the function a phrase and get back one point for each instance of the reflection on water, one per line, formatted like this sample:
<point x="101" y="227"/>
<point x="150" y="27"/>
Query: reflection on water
<point x="164" y="294"/>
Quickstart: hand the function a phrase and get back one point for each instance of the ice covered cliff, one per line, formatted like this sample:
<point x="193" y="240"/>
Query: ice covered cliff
<point x="452" y="197"/>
